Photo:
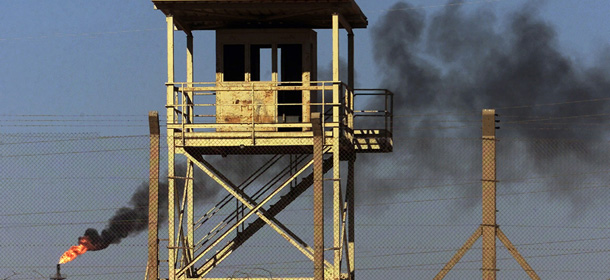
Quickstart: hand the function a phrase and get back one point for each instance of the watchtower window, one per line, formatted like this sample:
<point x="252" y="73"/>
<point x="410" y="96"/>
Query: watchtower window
<point x="234" y="60"/>
<point x="291" y="61"/>
<point x="261" y="63"/>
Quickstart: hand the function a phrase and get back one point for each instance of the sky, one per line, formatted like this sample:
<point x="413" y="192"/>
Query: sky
<point x="106" y="57"/>
<point x="88" y="69"/>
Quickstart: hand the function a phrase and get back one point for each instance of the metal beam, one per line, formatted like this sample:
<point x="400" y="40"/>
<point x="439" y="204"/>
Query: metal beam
<point x="170" y="149"/>
<point x="337" y="218"/>
<point x="335" y="42"/>
<point x="336" y="150"/>
<point x="349" y="102"/>
<point x="190" y="237"/>
<point x="170" y="69"/>
<point x="189" y="75"/>
<point x="345" y="24"/>
<point x="349" y="195"/>
<point x="350" y="61"/>
<point x="185" y="245"/>
<point x="318" y="197"/>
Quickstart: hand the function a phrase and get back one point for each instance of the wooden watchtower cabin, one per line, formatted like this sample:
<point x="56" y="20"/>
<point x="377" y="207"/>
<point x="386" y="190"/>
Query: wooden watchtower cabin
<point x="284" y="115"/>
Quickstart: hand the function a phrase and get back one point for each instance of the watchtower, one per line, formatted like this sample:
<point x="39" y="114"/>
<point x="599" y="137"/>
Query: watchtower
<point x="284" y="112"/>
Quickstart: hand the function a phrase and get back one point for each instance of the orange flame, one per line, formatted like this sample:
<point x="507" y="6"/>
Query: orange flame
<point x="75" y="251"/>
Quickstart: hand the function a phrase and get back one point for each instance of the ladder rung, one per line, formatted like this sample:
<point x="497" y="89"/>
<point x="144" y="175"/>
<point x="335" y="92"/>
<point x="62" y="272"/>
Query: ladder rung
<point x="180" y="177"/>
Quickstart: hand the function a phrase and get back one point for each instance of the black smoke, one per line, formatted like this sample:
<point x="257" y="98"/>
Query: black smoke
<point x="133" y="219"/>
<point x="460" y="61"/>
<point x="446" y="66"/>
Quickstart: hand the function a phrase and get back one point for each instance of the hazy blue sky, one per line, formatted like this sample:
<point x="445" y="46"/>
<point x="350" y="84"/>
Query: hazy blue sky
<point x="107" y="57"/>
<point x="105" y="61"/>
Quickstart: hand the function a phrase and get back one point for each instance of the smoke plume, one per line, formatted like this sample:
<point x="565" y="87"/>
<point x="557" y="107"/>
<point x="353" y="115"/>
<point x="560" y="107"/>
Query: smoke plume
<point x="445" y="67"/>
<point x="131" y="220"/>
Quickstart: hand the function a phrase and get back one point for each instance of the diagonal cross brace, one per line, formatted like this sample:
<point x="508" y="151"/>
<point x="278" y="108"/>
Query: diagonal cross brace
<point x="252" y="205"/>
<point x="252" y="228"/>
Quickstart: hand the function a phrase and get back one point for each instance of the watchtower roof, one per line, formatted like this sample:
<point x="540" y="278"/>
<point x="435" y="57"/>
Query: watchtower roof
<point x="234" y="14"/>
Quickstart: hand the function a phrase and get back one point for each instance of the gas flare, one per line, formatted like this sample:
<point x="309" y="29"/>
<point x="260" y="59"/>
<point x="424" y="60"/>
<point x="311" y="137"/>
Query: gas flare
<point x="84" y="244"/>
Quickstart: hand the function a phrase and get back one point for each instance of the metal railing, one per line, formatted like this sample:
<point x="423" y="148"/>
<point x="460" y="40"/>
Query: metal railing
<point x="376" y="98"/>
<point x="254" y="107"/>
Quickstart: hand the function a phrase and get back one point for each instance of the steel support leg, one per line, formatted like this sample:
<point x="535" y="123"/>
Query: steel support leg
<point x="170" y="149"/>
<point x="318" y="197"/>
<point x="336" y="150"/>
<point x="189" y="164"/>
<point x="351" y="255"/>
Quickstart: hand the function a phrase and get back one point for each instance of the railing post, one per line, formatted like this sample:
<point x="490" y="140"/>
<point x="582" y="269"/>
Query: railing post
<point x="386" y="112"/>
<point x="391" y="113"/>
<point x="170" y="69"/>
<point x="252" y="108"/>
<point x="189" y="76"/>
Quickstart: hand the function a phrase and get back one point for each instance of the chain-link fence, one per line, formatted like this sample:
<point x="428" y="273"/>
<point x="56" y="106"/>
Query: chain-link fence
<point x="414" y="207"/>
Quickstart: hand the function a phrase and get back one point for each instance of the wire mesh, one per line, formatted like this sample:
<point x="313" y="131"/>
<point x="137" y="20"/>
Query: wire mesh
<point x="414" y="207"/>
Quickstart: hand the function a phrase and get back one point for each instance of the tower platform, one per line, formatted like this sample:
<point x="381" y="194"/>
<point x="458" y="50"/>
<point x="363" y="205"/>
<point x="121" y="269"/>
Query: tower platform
<point x="205" y="130"/>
